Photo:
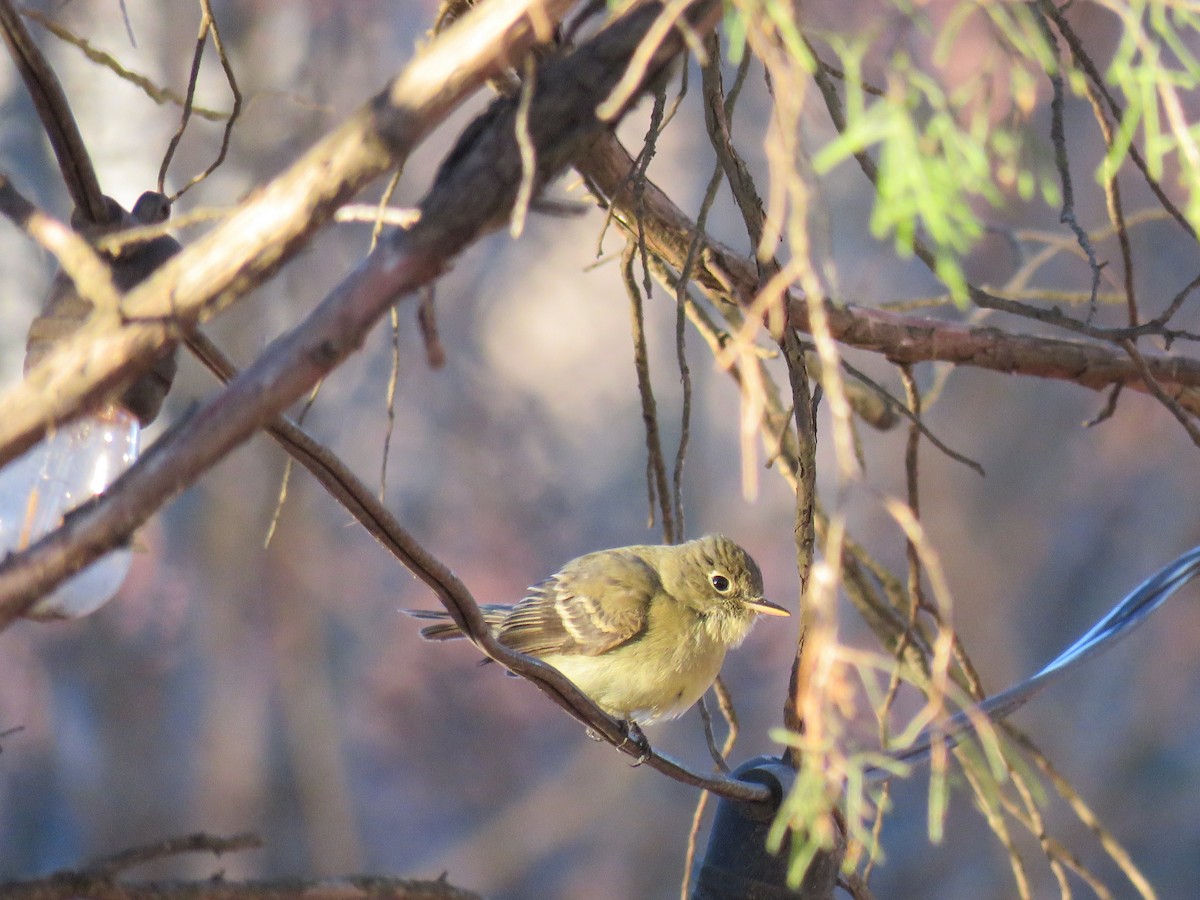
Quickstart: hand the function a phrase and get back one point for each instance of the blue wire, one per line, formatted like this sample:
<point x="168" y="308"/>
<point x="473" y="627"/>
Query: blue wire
<point x="1120" y="622"/>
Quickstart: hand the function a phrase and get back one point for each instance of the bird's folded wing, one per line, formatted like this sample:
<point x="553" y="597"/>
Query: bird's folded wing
<point x="596" y="603"/>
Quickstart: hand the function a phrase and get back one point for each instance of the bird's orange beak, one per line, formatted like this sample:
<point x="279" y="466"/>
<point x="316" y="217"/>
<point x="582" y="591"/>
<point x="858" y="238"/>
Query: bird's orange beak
<point x="766" y="607"/>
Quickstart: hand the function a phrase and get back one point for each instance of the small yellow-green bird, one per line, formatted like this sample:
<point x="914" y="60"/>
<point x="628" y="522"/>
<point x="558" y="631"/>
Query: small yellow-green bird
<point x="641" y="630"/>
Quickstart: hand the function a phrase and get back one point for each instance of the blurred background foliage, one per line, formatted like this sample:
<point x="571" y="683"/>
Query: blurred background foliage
<point x="233" y="686"/>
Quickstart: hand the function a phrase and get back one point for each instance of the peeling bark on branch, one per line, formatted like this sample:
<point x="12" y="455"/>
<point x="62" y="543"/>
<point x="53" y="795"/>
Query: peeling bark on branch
<point x="731" y="277"/>
<point x="909" y="339"/>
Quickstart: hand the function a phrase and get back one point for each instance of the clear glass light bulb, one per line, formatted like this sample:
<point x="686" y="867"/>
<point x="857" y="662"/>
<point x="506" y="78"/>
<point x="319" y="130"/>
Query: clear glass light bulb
<point x="72" y="465"/>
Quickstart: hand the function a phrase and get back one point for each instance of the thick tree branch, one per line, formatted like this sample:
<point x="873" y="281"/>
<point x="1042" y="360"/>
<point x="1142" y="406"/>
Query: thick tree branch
<point x="275" y="222"/>
<point x="730" y="277"/>
<point x="909" y="339"/>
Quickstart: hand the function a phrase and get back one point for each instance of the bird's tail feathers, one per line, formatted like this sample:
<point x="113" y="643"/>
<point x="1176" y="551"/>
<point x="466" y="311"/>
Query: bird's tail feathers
<point x="446" y="629"/>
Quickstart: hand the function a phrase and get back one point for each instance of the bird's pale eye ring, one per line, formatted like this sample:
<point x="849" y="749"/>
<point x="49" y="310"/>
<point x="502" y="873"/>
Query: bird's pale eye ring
<point x="720" y="583"/>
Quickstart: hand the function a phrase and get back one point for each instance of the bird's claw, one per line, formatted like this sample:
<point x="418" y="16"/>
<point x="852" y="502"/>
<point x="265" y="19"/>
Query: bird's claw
<point x="634" y="736"/>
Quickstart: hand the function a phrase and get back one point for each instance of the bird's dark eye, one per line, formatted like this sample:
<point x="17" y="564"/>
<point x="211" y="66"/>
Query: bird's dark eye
<point x="719" y="582"/>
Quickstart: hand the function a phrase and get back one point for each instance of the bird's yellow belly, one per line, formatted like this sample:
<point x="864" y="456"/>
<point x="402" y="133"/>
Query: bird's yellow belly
<point x="652" y="687"/>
